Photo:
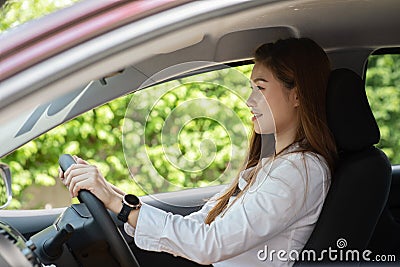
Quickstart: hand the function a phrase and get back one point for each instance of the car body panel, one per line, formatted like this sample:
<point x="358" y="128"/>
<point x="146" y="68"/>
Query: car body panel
<point x="78" y="24"/>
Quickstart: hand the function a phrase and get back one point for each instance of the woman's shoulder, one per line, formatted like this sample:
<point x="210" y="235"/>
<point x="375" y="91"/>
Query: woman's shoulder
<point x="296" y="153"/>
<point x="296" y="170"/>
<point x="300" y="160"/>
<point x="303" y="155"/>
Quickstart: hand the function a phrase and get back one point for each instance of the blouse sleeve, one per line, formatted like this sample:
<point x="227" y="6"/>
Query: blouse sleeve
<point x="198" y="216"/>
<point x="263" y="213"/>
<point x="201" y="214"/>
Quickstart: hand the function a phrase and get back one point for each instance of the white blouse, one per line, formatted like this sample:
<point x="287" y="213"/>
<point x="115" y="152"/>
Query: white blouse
<point x="265" y="227"/>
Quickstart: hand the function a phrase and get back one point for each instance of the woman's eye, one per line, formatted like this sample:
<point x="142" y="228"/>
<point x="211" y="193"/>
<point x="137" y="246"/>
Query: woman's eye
<point x="256" y="87"/>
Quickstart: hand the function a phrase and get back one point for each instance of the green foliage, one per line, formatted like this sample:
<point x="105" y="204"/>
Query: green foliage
<point x="205" y="141"/>
<point x="16" y="12"/>
<point x="383" y="90"/>
<point x="194" y="135"/>
<point x="96" y="135"/>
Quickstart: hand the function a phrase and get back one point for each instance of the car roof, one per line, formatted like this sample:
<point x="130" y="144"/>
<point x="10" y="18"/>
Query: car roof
<point x="165" y="41"/>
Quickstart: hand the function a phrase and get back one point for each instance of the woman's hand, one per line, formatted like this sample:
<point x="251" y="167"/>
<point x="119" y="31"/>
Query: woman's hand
<point x="85" y="176"/>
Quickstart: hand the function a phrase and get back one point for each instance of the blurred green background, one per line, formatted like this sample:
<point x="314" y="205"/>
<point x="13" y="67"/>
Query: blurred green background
<point x="97" y="134"/>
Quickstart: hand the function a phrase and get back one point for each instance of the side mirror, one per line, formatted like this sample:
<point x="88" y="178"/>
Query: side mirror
<point x="5" y="186"/>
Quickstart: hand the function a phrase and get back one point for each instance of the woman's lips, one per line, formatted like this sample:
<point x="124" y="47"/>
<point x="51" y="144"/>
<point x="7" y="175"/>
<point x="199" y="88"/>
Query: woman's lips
<point x="255" y="116"/>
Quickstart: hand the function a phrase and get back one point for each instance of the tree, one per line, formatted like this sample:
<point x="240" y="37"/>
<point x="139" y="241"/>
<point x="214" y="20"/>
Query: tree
<point x="15" y="12"/>
<point x="383" y="90"/>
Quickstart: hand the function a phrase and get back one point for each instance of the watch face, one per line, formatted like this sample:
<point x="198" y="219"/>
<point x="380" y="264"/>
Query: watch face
<point x="131" y="199"/>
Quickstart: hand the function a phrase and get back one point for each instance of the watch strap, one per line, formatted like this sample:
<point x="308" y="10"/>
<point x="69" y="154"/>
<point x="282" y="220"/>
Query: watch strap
<point x="127" y="208"/>
<point x="124" y="213"/>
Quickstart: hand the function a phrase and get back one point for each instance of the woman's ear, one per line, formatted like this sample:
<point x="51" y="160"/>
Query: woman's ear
<point x="295" y="98"/>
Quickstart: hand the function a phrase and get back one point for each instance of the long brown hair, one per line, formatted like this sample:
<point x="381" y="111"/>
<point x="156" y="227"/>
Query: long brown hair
<point x="300" y="63"/>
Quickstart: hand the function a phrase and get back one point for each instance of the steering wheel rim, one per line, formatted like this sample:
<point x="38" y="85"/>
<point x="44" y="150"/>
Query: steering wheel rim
<point x="113" y="235"/>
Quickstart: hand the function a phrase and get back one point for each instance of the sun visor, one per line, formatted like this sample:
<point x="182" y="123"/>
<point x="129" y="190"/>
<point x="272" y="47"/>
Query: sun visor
<point x="247" y="40"/>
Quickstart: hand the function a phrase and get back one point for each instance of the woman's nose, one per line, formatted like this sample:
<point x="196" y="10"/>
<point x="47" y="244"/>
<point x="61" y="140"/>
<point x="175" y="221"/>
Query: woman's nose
<point x="251" y="101"/>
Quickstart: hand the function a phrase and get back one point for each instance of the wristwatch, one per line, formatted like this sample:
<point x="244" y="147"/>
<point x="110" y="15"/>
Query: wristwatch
<point x="129" y="202"/>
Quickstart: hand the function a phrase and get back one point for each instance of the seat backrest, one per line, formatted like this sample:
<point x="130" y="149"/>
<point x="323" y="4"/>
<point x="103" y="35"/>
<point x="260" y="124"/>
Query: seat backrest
<point x="361" y="181"/>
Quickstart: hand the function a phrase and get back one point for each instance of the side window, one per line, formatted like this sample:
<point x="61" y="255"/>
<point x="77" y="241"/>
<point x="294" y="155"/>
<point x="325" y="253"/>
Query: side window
<point x="187" y="133"/>
<point x="383" y="91"/>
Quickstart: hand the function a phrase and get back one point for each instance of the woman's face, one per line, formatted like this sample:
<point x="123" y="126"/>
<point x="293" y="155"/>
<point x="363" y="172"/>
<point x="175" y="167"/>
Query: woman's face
<point x="274" y="107"/>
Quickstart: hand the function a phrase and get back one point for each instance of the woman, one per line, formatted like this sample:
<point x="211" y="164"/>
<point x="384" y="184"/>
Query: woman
<point x="274" y="202"/>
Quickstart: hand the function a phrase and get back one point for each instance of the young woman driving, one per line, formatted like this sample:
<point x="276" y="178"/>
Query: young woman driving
<point x="274" y="202"/>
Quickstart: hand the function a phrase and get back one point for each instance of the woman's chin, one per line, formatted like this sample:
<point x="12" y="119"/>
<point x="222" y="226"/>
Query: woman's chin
<point x="263" y="131"/>
<point x="266" y="129"/>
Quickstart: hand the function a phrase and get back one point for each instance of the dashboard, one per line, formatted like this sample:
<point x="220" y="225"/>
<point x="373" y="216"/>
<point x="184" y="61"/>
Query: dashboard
<point x="15" y="250"/>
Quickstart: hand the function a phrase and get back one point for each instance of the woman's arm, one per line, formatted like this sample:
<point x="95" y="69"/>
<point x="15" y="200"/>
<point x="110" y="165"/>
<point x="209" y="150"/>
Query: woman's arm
<point x="116" y="189"/>
<point x="262" y="214"/>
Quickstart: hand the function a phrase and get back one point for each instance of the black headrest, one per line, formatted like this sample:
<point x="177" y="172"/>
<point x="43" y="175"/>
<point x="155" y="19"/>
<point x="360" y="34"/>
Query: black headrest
<point x="348" y="112"/>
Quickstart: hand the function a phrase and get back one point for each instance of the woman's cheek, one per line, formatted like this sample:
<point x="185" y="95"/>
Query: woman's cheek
<point x="267" y="120"/>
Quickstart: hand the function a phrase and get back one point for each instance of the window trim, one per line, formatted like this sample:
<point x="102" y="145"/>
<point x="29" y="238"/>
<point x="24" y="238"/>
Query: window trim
<point x="218" y="66"/>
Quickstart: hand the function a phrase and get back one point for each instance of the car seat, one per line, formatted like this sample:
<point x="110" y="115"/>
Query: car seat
<point x="361" y="180"/>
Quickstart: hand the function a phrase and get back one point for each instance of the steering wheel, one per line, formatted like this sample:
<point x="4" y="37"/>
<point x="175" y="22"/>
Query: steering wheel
<point x="112" y="234"/>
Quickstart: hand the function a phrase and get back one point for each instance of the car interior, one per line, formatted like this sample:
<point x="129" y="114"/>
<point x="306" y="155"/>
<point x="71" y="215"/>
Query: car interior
<point x="363" y="204"/>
